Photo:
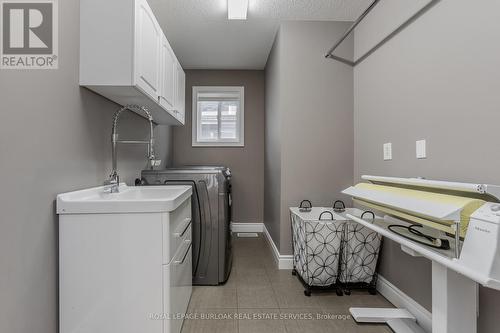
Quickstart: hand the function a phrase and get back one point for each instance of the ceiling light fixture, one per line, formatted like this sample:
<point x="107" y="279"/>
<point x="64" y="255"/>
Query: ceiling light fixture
<point x="237" y="9"/>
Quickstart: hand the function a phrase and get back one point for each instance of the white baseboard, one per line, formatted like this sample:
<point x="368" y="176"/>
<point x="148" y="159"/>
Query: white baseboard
<point x="247" y="227"/>
<point x="401" y="300"/>
<point x="282" y="261"/>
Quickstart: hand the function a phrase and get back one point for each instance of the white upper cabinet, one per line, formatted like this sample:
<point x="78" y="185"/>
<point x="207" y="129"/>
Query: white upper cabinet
<point x="180" y="92"/>
<point x="125" y="56"/>
<point x="148" y="36"/>
<point x="168" y="61"/>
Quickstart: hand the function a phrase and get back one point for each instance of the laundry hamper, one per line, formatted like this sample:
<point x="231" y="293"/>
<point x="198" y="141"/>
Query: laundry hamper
<point x="316" y="242"/>
<point x="360" y="253"/>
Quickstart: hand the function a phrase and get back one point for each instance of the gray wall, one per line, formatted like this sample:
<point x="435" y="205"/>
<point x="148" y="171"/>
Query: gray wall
<point x="272" y="163"/>
<point x="310" y="121"/>
<point x="247" y="163"/>
<point x="437" y="80"/>
<point x="53" y="138"/>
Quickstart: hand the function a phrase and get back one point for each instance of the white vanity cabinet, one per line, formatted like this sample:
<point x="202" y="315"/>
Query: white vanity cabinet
<point x="125" y="56"/>
<point x="126" y="268"/>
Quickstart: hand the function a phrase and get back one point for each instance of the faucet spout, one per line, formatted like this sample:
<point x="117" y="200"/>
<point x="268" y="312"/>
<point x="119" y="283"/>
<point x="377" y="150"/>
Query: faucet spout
<point x="113" y="182"/>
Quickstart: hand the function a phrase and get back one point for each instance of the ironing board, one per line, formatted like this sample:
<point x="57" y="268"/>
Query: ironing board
<point x="460" y="208"/>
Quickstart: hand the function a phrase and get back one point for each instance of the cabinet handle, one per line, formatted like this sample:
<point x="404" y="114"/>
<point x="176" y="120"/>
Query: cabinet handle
<point x="181" y="230"/>
<point x="180" y="262"/>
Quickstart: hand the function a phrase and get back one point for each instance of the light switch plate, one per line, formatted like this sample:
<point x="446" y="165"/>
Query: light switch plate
<point x="421" y="149"/>
<point x="387" y="151"/>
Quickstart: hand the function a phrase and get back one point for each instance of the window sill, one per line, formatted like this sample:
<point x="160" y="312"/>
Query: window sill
<point x="218" y="145"/>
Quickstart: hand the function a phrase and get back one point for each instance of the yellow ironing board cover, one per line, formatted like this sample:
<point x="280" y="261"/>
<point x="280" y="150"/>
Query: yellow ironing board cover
<point x="468" y="206"/>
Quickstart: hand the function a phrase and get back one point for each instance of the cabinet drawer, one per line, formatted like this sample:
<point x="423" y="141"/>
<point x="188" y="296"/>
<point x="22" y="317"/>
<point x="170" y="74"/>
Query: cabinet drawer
<point x="176" y="227"/>
<point x="177" y="287"/>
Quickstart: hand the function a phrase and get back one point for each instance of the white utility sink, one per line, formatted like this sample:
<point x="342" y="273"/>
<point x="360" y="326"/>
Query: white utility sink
<point x="124" y="256"/>
<point x="130" y="199"/>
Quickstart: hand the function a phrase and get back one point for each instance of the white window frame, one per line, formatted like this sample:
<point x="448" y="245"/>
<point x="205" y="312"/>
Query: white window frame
<point x="240" y="118"/>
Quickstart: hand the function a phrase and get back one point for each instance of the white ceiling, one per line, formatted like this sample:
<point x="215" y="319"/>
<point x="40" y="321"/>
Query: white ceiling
<point x="203" y="37"/>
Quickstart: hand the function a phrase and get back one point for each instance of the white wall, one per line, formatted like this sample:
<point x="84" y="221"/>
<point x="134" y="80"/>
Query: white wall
<point x="439" y="80"/>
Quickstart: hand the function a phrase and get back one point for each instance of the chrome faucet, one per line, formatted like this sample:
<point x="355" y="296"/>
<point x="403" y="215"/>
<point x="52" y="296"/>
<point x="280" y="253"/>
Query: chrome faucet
<point x="113" y="182"/>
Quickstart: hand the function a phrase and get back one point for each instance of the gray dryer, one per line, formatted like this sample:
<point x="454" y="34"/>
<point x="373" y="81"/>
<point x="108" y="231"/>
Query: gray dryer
<point x="211" y="217"/>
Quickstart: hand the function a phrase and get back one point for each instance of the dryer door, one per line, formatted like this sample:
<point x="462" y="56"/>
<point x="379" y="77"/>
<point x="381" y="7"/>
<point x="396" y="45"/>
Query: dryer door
<point x="205" y="270"/>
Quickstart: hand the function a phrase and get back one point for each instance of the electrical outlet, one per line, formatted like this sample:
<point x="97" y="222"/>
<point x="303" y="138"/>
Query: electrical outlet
<point x="421" y="149"/>
<point x="387" y="151"/>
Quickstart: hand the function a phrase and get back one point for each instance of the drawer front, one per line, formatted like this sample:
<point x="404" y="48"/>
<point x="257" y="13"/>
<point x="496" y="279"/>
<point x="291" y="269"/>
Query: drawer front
<point x="176" y="227"/>
<point x="177" y="287"/>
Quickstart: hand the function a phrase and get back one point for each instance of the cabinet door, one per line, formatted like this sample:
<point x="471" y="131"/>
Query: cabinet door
<point x="180" y="93"/>
<point x="167" y="75"/>
<point x="177" y="287"/>
<point x="147" y="50"/>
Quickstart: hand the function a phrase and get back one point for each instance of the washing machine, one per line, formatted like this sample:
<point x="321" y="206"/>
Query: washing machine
<point x="211" y="217"/>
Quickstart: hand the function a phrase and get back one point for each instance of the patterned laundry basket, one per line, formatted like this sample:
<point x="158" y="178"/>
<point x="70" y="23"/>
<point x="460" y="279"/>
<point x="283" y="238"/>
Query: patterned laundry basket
<point x="317" y="240"/>
<point x="360" y="253"/>
<point x="332" y="252"/>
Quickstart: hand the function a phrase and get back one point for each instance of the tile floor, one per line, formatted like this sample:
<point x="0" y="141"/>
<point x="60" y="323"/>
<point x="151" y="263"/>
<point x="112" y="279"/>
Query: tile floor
<point x="260" y="298"/>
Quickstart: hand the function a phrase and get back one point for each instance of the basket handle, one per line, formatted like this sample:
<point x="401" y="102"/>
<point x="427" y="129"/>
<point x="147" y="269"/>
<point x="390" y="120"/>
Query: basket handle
<point x="336" y="207"/>
<point x="305" y="202"/>
<point x="326" y="212"/>
<point x="368" y="212"/>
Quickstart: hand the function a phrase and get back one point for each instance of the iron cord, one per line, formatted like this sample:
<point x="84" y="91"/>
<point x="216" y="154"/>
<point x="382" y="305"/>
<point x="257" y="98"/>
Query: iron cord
<point x="437" y="243"/>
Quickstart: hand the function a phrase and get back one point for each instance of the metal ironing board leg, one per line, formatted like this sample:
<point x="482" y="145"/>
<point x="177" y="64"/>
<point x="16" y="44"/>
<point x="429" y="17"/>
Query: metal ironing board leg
<point x="454" y="306"/>
<point x="399" y="320"/>
<point x="454" y="301"/>
<point x="404" y="326"/>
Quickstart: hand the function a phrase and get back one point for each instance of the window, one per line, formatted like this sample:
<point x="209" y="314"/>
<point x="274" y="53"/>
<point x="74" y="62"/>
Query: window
<point x="218" y="116"/>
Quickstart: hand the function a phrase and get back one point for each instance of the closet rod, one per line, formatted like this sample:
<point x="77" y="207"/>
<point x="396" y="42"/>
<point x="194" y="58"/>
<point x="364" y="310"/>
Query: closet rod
<point x="396" y="31"/>
<point x="329" y="54"/>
